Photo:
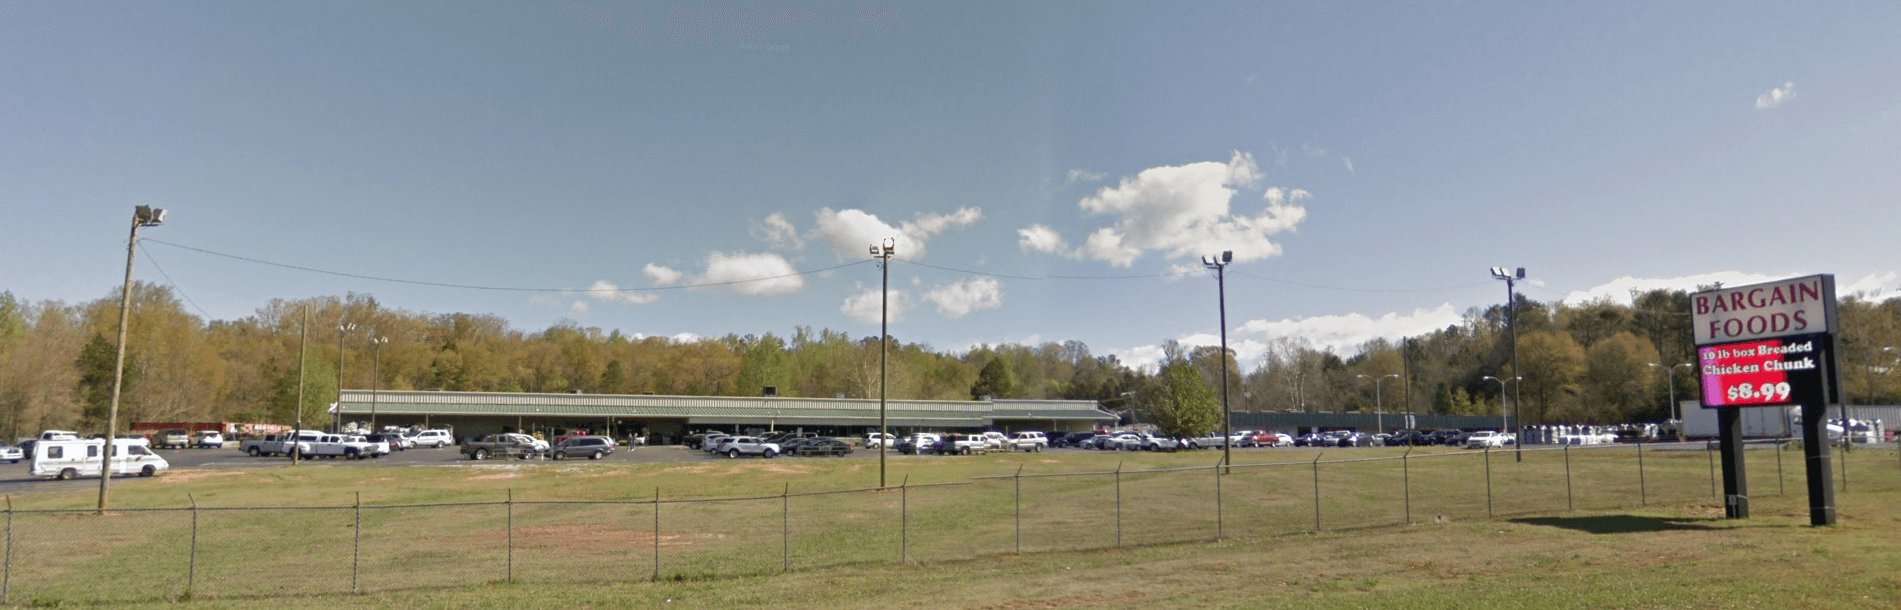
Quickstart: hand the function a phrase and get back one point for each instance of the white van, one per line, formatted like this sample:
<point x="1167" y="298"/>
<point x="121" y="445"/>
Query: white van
<point x="67" y="459"/>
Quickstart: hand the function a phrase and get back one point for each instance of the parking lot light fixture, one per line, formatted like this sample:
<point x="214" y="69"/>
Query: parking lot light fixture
<point x="1675" y="411"/>
<point x="376" y="372"/>
<point x="1511" y="278"/>
<point x="142" y="216"/>
<point x="882" y="252"/>
<point x="1379" y="401"/>
<point x="1504" y="423"/>
<point x="1220" y="267"/>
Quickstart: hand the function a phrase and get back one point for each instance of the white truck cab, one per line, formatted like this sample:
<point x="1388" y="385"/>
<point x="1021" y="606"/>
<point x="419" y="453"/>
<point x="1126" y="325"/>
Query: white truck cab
<point x="67" y="459"/>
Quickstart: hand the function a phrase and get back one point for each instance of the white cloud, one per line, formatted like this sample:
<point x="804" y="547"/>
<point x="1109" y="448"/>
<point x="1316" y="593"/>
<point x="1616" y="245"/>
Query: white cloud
<point x="1039" y="238"/>
<point x="1146" y="358"/>
<point x="609" y="292"/>
<point x="1083" y="175"/>
<point x="851" y="231"/>
<point x="1345" y="333"/>
<point x="1775" y="97"/>
<point x="685" y="338"/>
<point x="1620" y="289"/>
<point x="958" y="299"/>
<point x="864" y="306"/>
<point x="1181" y="212"/>
<point x="662" y="275"/>
<point x="1880" y="285"/>
<point x="1348" y="161"/>
<point x="777" y="232"/>
<point x="743" y="266"/>
<point x="578" y="308"/>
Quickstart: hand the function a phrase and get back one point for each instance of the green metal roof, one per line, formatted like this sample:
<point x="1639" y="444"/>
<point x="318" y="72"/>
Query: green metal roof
<point x="714" y="409"/>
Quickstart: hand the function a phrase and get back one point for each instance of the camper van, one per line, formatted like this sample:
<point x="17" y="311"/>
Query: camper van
<point x="67" y="459"/>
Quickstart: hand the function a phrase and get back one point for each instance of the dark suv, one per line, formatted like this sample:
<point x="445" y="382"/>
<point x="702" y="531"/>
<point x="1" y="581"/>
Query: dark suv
<point x="594" y="447"/>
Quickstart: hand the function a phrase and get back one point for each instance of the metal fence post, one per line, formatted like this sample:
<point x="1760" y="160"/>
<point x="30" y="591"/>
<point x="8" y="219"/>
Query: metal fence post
<point x="1779" y="446"/>
<point x="1570" y="501"/>
<point x="656" y="534"/>
<point x="1488" y="482"/>
<point x="511" y="535"/>
<point x="1118" y="504"/>
<point x="1406" y="482"/>
<point x="1643" y="493"/>
<point x="1842" y="457"/>
<point x="785" y="528"/>
<point x="1019" y="509"/>
<point x="6" y="576"/>
<point x="1217" y="471"/>
<point x="1712" y="454"/>
<point x="1317" y="491"/>
<point x="191" y="564"/>
<point x="356" y="545"/>
<point x="904" y="520"/>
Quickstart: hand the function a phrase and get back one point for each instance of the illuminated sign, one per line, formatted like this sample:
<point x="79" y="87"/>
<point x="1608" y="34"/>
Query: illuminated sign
<point x="1763" y="373"/>
<point x="1795" y="306"/>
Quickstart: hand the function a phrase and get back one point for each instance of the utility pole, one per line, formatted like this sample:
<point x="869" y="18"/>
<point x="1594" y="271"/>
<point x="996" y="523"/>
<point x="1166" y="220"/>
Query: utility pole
<point x="883" y="253"/>
<point x="296" y="439"/>
<point x="1220" y="266"/>
<point x="1511" y="324"/>
<point x="142" y="216"/>
<point x="336" y="419"/>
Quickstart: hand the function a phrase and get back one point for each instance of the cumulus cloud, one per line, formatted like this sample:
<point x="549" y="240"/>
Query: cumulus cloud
<point x="744" y="266"/>
<point x="958" y="299"/>
<point x="578" y="308"/>
<point x="849" y="232"/>
<point x="1179" y="211"/>
<point x="1775" y="97"/>
<point x="863" y="307"/>
<point x="609" y="292"/>
<point x="1083" y="175"/>
<point x="1619" y="290"/>
<point x="777" y="232"/>
<point x="1345" y="333"/>
<point x="1146" y="358"/>
<point x="1879" y="286"/>
<point x="662" y="275"/>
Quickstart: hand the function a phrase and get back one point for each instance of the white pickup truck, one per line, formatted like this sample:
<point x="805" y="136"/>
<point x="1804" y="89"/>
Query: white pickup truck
<point x="279" y="444"/>
<point x="337" y="445"/>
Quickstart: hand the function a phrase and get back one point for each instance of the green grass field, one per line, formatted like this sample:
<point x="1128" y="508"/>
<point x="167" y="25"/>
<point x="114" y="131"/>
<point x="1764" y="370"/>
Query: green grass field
<point x="1418" y="532"/>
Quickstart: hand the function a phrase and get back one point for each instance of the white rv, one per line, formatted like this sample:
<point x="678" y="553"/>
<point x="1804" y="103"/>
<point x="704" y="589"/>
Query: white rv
<point x="66" y="459"/>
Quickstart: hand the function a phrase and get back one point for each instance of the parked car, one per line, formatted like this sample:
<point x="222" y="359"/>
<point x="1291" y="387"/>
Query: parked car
<point x="873" y="440"/>
<point x="821" y="446"/>
<point x="593" y="447"/>
<point x="501" y="445"/>
<point x="1444" y="437"/>
<point x="963" y="444"/>
<point x="1121" y="441"/>
<point x="749" y="445"/>
<point x="1351" y="439"/>
<point x="1160" y="443"/>
<point x="433" y="438"/>
<point x="207" y="439"/>
<point x="175" y="438"/>
<point x="11" y="453"/>
<point x="1071" y="439"/>
<point x="1028" y="441"/>
<point x="1487" y="439"/>
<point x="1310" y="439"/>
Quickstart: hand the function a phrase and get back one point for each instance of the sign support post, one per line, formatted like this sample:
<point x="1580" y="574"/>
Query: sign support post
<point x="1770" y="345"/>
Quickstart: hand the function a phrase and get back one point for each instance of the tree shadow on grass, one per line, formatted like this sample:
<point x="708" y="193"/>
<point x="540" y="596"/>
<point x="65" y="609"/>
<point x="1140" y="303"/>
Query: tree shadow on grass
<point x="1621" y="524"/>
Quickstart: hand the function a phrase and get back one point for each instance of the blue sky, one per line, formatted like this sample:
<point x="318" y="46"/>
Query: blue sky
<point x="1366" y="161"/>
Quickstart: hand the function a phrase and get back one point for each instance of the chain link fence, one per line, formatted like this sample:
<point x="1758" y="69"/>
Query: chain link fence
<point x="78" y="557"/>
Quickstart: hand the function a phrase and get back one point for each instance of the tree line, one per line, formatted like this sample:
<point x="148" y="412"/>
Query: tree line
<point x="1578" y="363"/>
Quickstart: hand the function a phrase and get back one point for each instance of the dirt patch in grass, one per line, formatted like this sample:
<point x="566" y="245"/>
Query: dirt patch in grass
<point x="185" y="476"/>
<point x="592" y="536"/>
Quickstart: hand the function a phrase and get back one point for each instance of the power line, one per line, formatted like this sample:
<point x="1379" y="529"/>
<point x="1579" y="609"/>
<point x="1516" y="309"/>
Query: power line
<point x="169" y="282"/>
<point x="502" y="288"/>
<point x="1356" y="289"/>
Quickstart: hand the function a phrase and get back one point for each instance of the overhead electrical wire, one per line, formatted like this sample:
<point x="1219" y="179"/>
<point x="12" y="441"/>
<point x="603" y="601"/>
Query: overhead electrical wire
<point x="173" y="284"/>
<point x="503" y="288"/>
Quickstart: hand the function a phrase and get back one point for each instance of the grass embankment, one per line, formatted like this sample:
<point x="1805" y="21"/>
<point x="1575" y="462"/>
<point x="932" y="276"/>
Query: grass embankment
<point x="844" y="549"/>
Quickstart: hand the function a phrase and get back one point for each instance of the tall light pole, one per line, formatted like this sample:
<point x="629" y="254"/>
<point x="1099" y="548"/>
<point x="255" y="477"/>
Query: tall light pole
<point x="883" y="252"/>
<point x="1511" y="323"/>
<point x="1379" y="403"/>
<point x="142" y="216"/>
<point x="343" y="330"/>
<point x="376" y="373"/>
<point x="1675" y="410"/>
<point x="1504" y="424"/>
<point x="296" y="439"/>
<point x="1220" y="266"/>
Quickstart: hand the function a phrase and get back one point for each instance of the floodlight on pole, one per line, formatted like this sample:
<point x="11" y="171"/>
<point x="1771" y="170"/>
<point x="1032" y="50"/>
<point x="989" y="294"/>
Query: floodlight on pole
<point x="1379" y="401"/>
<point x="336" y="417"/>
<point x="142" y="216"/>
<point x="1675" y="411"/>
<point x="1511" y="278"/>
<point x="1220" y="267"/>
<point x="882" y="252"/>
